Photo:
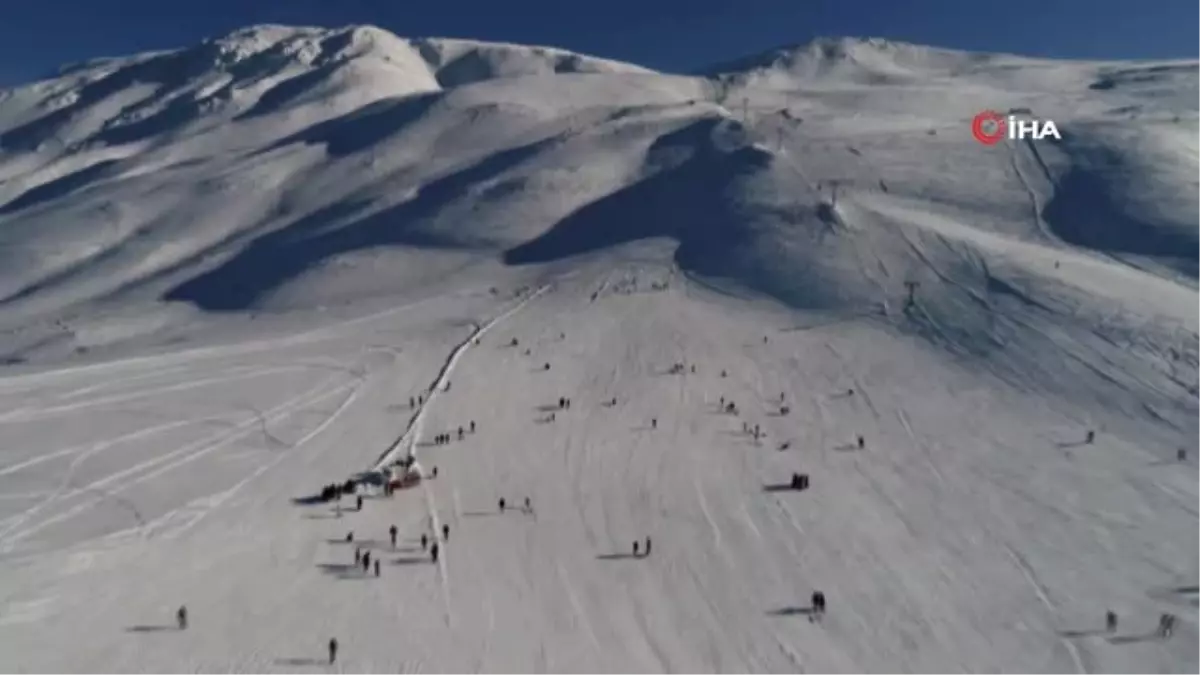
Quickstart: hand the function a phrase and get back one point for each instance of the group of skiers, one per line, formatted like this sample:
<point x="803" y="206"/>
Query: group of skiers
<point x="444" y="438"/>
<point x="526" y="508"/>
<point x="643" y="552"/>
<point x="363" y="558"/>
<point x="1166" y="624"/>
<point x="335" y="491"/>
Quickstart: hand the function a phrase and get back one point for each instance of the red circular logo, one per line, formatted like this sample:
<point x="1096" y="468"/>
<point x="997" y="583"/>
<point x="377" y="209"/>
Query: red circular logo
<point x="989" y="127"/>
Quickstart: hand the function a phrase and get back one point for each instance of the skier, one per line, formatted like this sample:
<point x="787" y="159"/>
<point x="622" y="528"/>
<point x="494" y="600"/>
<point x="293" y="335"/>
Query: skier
<point x="366" y="562"/>
<point x="445" y="532"/>
<point x="502" y="504"/>
<point x="781" y="397"/>
<point x="376" y="568"/>
<point x="1091" y="436"/>
<point x="435" y="472"/>
<point x="460" y="433"/>
<point x="1166" y="625"/>
<point x="433" y="552"/>
<point x="654" y="423"/>
<point x="861" y="443"/>
<point x="722" y="404"/>
<point x="181" y="617"/>
<point x="392" y="531"/>
<point x="568" y="404"/>
<point x="333" y="647"/>
<point x="358" y="502"/>
<point x="472" y="426"/>
<point x="357" y="557"/>
<point x="635" y="548"/>
<point x="818" y="603"/>
<point x="784" y="410"/>
<point x="546" y="366"/>
<point x="528" y="506"/>
<point x="614" y="400"/>
<point x="647" y="544"/>
<point x="350" y="536"/>
<point x="411" y="402"/>
<point x="849" y="392"/>
<point x="1110" y="621"/>
<point x="562" y="403"/>
<point x="424" y="541"/>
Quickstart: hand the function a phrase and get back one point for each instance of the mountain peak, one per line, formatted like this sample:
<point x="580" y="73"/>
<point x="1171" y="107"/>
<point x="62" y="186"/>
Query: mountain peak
<point x="863" y="59"/>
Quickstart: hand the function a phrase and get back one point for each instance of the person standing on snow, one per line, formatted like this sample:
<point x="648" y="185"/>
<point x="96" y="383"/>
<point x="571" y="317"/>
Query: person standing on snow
<point x="433" y="552"/>
<point x="333" y="647"/>
<point x="445" y="532"/>
<point x="818" y="603"/>
<point x="376" y="568"/>
<point x="647" y="545"/>
<point x="424" y="541"/>
<point x="181" y="617"/>
<point x="392" y="531"/>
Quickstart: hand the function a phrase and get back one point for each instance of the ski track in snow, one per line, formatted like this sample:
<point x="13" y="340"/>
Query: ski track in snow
<point x="216" y="501"/>
<point x="1043" y="597"/>
<point x="157" y="466"/>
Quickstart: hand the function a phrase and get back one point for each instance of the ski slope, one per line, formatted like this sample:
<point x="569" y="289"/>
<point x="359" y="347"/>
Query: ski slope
<point x="225" y="270"/>
<point x="973" y="531"/>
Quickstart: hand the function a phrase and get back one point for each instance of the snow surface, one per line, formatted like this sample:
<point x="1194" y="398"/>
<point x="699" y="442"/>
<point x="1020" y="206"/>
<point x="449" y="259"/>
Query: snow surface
<point x="224" y="271"/>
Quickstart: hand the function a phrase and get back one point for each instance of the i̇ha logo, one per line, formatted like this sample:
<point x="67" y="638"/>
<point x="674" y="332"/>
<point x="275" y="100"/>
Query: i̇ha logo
<point x="990" y="127"/>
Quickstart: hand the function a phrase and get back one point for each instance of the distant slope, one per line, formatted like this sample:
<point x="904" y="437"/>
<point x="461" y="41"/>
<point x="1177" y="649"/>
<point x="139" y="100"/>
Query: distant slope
<point x="281" y="167"/>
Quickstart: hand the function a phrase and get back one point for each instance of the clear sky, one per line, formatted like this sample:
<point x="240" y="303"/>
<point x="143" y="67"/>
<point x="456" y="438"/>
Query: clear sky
<point x="36" y="36"/>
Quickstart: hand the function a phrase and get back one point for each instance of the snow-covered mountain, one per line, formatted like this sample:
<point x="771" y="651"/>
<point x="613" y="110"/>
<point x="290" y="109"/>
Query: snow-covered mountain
<point x="172" y="175"/>
<point x="808" y="221"/>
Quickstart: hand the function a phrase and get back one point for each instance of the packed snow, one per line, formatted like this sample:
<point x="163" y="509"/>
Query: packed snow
<point x="235" y="274"/>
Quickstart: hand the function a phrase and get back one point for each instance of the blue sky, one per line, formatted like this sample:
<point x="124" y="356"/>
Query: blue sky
<point x="38" y="35"/>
